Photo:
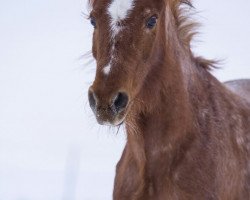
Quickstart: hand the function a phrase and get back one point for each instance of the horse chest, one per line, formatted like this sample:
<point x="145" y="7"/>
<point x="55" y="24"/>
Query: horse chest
<point x="161" y="182"/>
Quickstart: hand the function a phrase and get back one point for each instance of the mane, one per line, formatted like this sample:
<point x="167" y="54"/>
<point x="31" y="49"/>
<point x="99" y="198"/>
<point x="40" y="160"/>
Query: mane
<point x="187" y="29"/>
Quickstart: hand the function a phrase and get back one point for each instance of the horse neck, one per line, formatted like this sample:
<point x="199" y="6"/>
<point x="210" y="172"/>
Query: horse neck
<point x="161" y="119"/>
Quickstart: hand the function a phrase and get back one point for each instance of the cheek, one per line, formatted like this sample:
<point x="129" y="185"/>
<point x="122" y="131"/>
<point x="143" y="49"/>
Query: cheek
<point x="94" y="47"/>
<point x="148" y="42"/>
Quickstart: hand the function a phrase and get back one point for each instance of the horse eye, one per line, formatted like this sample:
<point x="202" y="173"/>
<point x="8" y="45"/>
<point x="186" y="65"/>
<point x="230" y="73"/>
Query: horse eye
<point x="151" y="22"/>
<point x="93" y="22"/>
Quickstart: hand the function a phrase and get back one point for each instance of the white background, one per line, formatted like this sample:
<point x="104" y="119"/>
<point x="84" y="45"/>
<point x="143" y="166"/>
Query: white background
<point x="51" y="147"/>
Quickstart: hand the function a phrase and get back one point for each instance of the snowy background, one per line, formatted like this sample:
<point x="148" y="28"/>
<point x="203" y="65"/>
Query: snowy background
<point x="51" y="148"/>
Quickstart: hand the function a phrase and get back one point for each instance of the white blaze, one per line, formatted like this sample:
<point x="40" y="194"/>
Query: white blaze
<point x="118" y="10"/>
<point x="107" y="69"/>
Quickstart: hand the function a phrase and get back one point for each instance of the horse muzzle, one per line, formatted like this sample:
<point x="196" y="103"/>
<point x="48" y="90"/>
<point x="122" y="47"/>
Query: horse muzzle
<point x="109" y="112"/>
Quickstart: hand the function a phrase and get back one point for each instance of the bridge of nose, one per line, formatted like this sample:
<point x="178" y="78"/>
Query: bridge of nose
<point x="104" y="98"/>
<point x="105" y="88"/>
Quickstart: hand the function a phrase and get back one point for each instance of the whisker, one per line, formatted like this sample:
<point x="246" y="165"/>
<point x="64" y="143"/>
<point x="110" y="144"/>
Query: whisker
<point x="84" y="15"/>
<point x="86" y="55"/>
<point x="135" y="131"/>
<point x="118" y="129"/>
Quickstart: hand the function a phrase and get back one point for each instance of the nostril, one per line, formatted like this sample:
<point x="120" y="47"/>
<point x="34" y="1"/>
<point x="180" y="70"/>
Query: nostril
<point x="120" y="101"/>
<point x="92" y="99"/>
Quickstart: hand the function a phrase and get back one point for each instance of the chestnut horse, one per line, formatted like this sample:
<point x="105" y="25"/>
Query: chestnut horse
<point x="188" y="135"/>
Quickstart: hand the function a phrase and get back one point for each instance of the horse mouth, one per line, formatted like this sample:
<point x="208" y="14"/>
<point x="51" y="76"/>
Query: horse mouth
<point x="110" y="119"/>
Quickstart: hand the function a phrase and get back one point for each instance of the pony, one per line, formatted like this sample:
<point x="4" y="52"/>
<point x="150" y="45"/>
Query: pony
<point x="188" y="135"/>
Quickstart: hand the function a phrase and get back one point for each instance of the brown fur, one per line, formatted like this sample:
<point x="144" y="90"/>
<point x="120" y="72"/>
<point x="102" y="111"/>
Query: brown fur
<point x="188" y="136"/>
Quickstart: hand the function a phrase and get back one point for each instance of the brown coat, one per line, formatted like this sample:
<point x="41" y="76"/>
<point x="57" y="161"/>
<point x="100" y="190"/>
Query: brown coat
<point x="188" y="135"/>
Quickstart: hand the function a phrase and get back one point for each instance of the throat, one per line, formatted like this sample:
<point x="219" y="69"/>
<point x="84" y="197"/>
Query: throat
<point x="159" y="120"/>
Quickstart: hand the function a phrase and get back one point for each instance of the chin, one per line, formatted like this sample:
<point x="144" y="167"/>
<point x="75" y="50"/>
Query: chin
<point x="114" y="123"/>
